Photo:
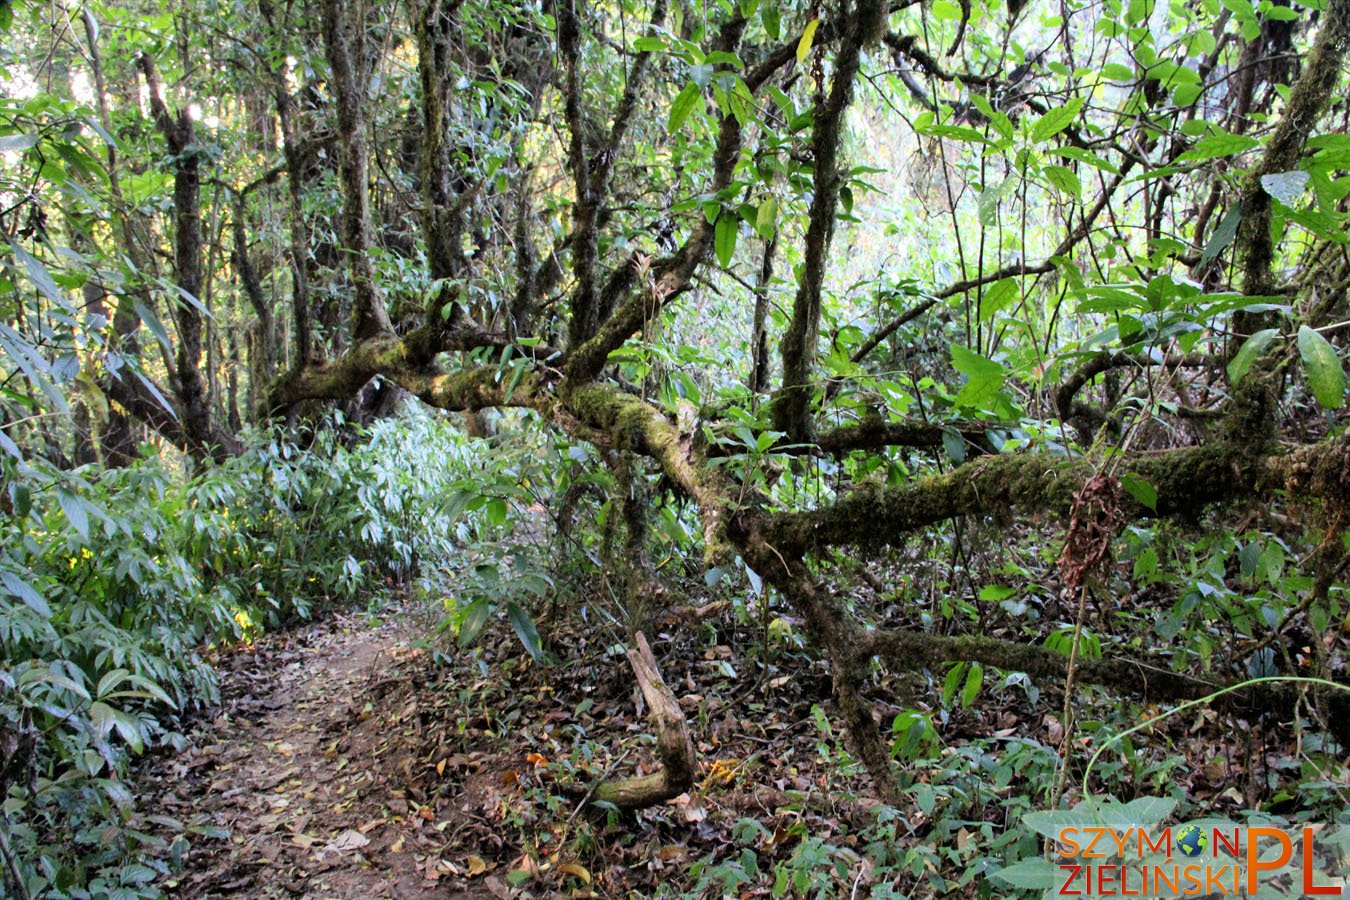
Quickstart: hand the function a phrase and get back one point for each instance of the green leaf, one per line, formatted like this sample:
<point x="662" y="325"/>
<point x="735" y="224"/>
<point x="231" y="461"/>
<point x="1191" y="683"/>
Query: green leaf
<point x="1118" y="72"/>
<point x="496" y="511"/>
<point x="17" y="587"/>
<point x="1064" y="180"/>
<point x="742" y="102"/>
<point x="986" y="204"/>
<point x="724" y="239"/>
<point x="1138" y="488"/>
<point x="683" y="106"/>
<point x="151" y="321"/>
<point x="984" y="377"/>
<point x="475" y="619"/>
<point x="1222" y="236"/>
<point x="1248" y="353"/>
<point x="1031" y="874"/>
<point x="1148" y="811"/>
<point x="766" y="218"/>
<point x="129" y="727"/>
<point x="954" y="444"/>
<point x="109" y="682"/>
<point x="974" y="680"/>
<point x="648" y="44"/>
<point x="999" y="296"/>
<point x="951" y="683"/>
<point x="523" y="623"/>
<point x="1055" y="121"/>
<point x="101" y="716"/>
<point x="17" y="141"/>
<point x="1325" y="375"/>
<point x="1217" y="145"/>
<point x="41" y="278"/>
<point x="1286" y="187"/>
<point x="804" y="45"/>
<point x="75" y="512"/>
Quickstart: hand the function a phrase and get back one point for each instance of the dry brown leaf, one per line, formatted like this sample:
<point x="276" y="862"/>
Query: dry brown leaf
<point x="349" y="840"/>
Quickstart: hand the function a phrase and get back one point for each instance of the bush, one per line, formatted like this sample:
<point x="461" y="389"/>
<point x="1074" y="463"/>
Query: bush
<point x="112" y="583"/>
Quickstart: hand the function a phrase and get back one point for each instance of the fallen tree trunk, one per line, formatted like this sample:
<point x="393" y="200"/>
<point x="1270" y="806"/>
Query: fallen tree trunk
<point x="674" y="747"/>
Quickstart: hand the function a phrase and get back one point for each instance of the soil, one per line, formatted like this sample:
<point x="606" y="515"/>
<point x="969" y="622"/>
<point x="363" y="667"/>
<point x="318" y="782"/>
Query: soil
<point x="293" y="767"/>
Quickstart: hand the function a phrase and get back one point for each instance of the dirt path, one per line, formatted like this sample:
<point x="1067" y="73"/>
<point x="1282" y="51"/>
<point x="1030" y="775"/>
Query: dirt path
<point x="294" y="768"/>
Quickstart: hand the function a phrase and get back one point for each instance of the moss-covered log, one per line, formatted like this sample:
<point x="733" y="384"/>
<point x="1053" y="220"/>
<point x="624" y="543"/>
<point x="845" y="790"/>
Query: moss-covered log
<point x="1186" y="481"/>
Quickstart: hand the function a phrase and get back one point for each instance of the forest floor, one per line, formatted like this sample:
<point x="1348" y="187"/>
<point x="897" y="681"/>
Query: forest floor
<point x="346" y="761"/>
<point x="292" y="767"/>
<point x="354" y="758"/>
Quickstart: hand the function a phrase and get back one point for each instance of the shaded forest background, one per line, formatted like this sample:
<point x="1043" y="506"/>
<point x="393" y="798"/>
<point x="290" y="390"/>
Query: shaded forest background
<point x="979" y="364"/>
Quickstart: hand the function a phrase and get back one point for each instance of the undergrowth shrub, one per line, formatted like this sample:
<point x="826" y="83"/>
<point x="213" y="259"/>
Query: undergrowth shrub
<point x="113" y="583"/>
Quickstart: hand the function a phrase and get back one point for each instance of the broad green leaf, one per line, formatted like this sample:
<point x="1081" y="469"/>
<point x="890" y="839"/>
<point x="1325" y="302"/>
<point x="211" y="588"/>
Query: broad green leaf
<point x="1248" y="353"/>
<point x="1031" y="874"/>
<point x="21" y="589"/>
<point x="1218" y="145"/>
<point x="723" y="58"/>
<point x="998" y="297"/>
<point x="984" y="377"/>
<point x="957" y="133"/>
<point x="151" y="321"/>
<point x="974" y="680"/>
<point x="41" y="278"/>
<point x="1055" y="121"/>
<point x="724" y="238"/>
<point x="1118" y="72"/>
<point x="1140" y="489"/>
<point x="475" y="619"/>
<point x="742" y="101"/>
<point x="101" y="715"/>
<point x="1064" y="180"/>
<point x="129" y="727"/>
<point x="1286" y="187"/>
<point x="1222" y="236"/>
<point x="986" y="204"/>
<point x="109" y="682"/>
<point x="17" y="141"/>
<point x="954" y="444"/>
<point x="1145" y="812"/>
<point x="1323" y="365"/>
<point x="766" y="218"/>
<point x="523" y="623"/>
<point x="496" y="511"/>
<point x="683" y="106"/>
<point x="804" y="45"/>
<point x="648" y="44"/>
<point x="75" y="512"/>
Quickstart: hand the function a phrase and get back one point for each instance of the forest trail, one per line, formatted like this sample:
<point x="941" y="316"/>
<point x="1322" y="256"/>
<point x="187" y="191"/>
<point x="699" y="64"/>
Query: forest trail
<point x="295" y="767"/>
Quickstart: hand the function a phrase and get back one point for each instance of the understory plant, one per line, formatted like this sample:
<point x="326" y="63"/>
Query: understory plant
<point x="116" y="583"/>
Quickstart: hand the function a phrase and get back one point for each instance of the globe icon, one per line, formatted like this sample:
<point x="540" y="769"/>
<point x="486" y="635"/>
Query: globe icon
<point x="1191" y="840"/>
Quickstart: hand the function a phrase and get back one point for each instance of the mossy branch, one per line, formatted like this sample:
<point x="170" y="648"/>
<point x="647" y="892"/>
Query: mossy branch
<point x="1186" y="481"/>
